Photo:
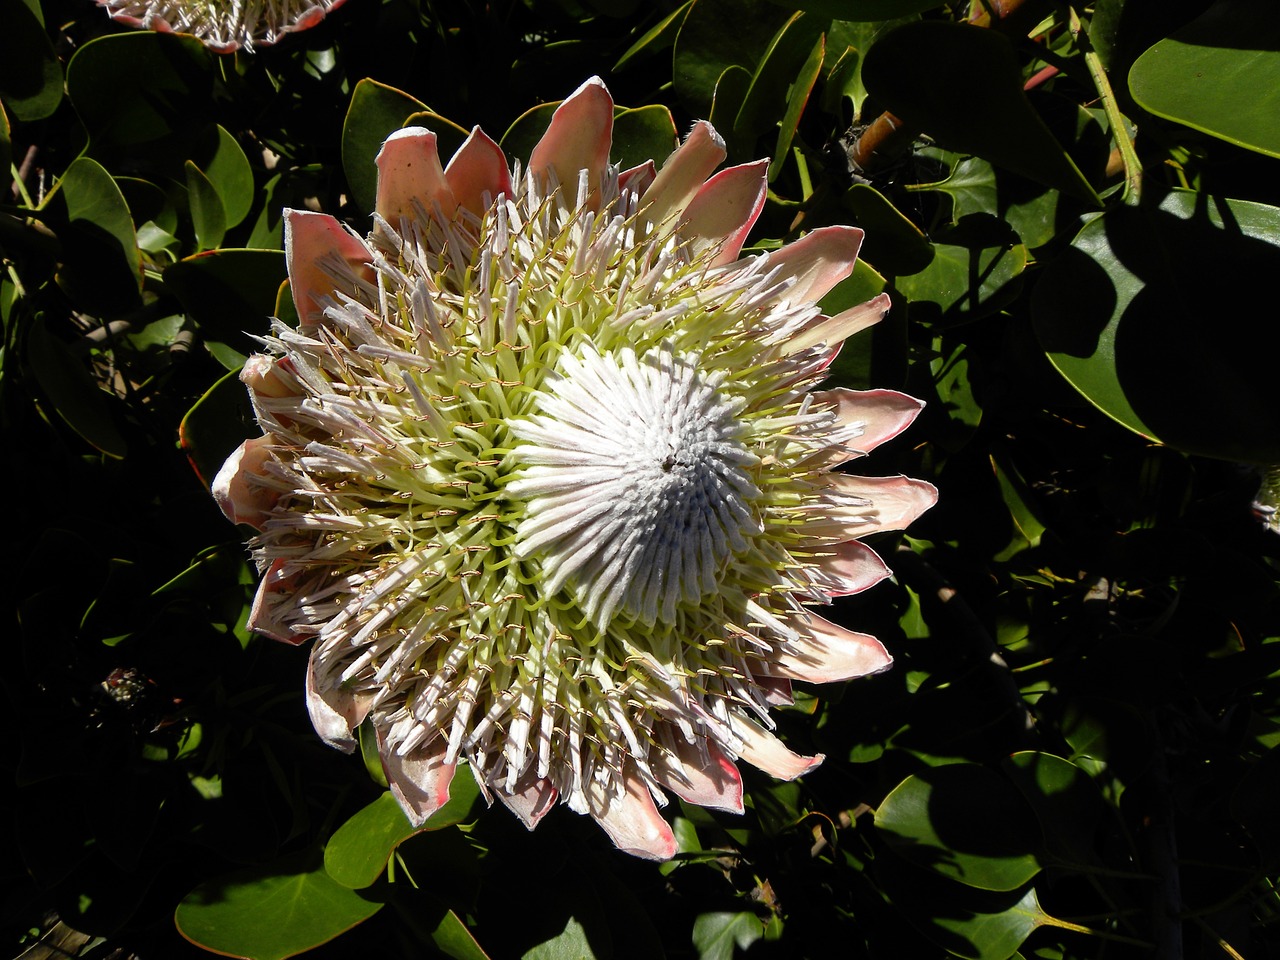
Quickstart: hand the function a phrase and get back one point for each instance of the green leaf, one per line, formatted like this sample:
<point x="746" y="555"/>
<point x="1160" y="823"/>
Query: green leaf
<point x="72" y="391"/>
<point x="730" y="88"/>
<point x="1019" y="499"/>
<point x="101" y="265"/>
<point x="358" y="851"/>
<point x="1220" y="74"/>
<point x="571" y="943"/>
<point x="715" y="935"/>
<point x="707" y="45"/>
<point x="527" y="129"/>
<point x="30" y="74"/>
<point x="645" y="133"/>
<point x="966" y="823"/>
<point x="272" y="911"/>
<point x="229" y="172"/>
<point x="376" y="112"/>
<point x="975" y="270"/>
<point x="969" y="923"/>
<point x="207" y="214"/>
<point x="144" y="96"/>
<point x="797" y="98"/>
<point x="1065" y="800"/>
<point x="656" y="39"/>
<point x="6" y="152"/>
<point x="228" y="292"/>
<point x="787" y="55"/>
<point x="1137" y="317"/>
<point x="215" y="425"/>
<point x="455" y="940"/>
<point x="962" y="85"/>
<point x="892" y="242"/>
<point x="861" y="10"/>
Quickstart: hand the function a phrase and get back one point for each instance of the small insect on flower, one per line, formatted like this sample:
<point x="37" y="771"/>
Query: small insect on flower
<point x="223" y="25"/>
<point x="545" y="476"/>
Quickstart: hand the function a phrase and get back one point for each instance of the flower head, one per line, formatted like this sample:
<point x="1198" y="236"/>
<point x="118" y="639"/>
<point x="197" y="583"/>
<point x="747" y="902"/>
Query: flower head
<point x="223" y="25"/>
<point x="545" y="476"/>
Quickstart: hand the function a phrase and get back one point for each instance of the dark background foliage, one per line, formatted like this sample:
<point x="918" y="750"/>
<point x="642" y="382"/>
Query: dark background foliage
<point x="1074" y="753"/>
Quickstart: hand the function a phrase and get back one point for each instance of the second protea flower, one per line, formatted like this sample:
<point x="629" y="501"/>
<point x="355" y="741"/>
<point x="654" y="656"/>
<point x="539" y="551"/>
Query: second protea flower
<point x="223" y="25"/>
<point x="545" y="477"/>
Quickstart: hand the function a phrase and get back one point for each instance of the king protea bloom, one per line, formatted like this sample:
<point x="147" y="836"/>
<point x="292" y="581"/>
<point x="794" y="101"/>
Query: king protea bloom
<point x="223" y="25"/>
<point x="545" y="477"/>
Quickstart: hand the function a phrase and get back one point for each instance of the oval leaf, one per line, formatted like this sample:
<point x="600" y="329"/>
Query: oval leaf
<point x="1137" y="316"/>
<point x="964" y="822"/>
<point x="1196" y="76"/>
<point x="358" y="851"/>
<point x="271" y="911"/>
<point x="962" y="85"/>
<point x="101" y="264"/>
<point x="376" y="111"/>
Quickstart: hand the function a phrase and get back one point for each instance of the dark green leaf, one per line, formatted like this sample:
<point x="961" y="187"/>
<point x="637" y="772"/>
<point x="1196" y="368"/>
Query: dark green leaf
<point x="797" y="98"/>
<point x="207" y="214"/>
<point x="101" y="265"/>
<point x="892" y="243"/>
<point x="30" y="75"/>
<point x="716" y="935"/>
<point x="645" y="133"/>
<point x="359" y="849"/>
<point x="1219" y="74"/>
<point x="229" y="172"/>
<point x="1137" y="317"/>
<point x="218" y="423"/>
<point x="455" y="940"/>
<point x="656" y="39"/>
<point x="962" y="85"/>
<point x="272" y="911"/>
<point x="784" y="63"/>
<point x="964" y="822"/>
<point x="861" y="10"/>
<point x="975" y="270"/>
<point x="72" y="392"/>
<point x="229" y="292"/>
<point x="376" y="112"/>
<point x="144" y="96"/>
<point x="1065" y="800"/>
<point x="706" y="46"/>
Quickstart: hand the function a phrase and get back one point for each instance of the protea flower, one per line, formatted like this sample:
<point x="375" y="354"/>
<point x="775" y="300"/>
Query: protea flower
<point x="544" y="474"/>
<point x="223" y="25"/>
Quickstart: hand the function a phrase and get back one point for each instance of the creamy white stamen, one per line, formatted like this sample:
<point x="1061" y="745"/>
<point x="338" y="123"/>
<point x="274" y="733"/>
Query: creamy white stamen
<point x="638" y="486"/>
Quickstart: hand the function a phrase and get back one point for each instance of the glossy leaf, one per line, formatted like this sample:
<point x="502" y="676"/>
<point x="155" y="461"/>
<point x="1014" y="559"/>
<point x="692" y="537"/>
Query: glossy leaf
<point x="6" y="151"/>
<point x="230" y="293"/>
<point x="101" y="265"/>
<point x="1138" y="318"/>
<point x="272" y="911"/>
<point x="1065" y="801"/>
<point x="454" y="940"/>
<point x="661" y="36"/>
<point x="215" y="425"/>
<point x="964" y="822"/>
<point x="894" y="244"/>
<point x="705" y="46"/>
<point x="72" y="392"/>
<point x="962" y="85"/>
<point x="358" y="851"/>
<point x="861" y="10"/>
<point x="975" y="270"/>
<point x="1219" y="74"/>
<point x="797" y="98"/>
<point x="143" y="94"/>
<point x="229" y="172"/>
<point x="208" y="217"/>
<point x="376" y="112"/>
<point x="645" y="133"/>
<point x="784" y="63"/>
<point x="30" y="75"/>
<point x="718" y="936"/>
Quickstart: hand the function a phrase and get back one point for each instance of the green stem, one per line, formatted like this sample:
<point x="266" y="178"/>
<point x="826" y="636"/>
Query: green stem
<point x="1132" y="166"/>
<point x="1100" y="934"/>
